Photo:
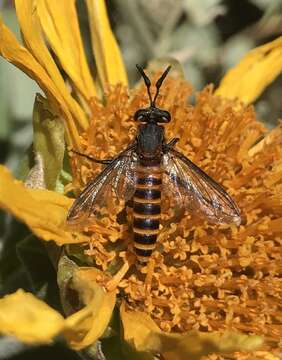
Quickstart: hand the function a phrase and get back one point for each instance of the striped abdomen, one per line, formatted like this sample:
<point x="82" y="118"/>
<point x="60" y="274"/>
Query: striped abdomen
<point x="146" y="210"/>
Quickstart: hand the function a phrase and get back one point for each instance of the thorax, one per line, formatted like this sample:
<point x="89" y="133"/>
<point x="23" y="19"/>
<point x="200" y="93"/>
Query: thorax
<point x="149" y="141"/>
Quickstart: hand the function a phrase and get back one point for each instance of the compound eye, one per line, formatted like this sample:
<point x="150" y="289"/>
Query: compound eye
<point x="139" y="115"/>
<point x="166" y="116"/>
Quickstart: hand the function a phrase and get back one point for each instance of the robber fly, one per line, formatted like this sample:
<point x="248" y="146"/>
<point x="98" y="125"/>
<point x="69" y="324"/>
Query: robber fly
<point x="146" y="168"/>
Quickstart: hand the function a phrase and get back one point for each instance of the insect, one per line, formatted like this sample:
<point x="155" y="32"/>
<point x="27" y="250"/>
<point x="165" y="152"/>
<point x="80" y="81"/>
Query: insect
<point x="148" y="167"/>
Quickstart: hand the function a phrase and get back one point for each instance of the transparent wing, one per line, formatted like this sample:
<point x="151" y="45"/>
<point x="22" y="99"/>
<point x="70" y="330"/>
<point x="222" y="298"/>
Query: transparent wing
<point x="115" y="182"/>
<point x="193" y="189"/>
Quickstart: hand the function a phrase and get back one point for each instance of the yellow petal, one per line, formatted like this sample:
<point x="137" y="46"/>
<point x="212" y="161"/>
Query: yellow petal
<point x="254" y="73"/>
<point x="15" y="53"/>
<point x="42" y="210"/>
<point x="265" y="355"/>
<point x="60" y="24"/>
<point x="33" y="37"/>
<point x="106" y="51"/>
<point x="89" y="324"/>
<point x="144" y="335"/>
<point x="28" y="318"/>
<point x="195" y="345"/>
<point x="32" y="321"/>
<point x="140" y="330"/>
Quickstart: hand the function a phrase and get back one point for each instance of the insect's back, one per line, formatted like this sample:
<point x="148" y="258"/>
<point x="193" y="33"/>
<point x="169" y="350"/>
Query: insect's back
<point x="138" y="171"/>
<point x="147" y="209"/>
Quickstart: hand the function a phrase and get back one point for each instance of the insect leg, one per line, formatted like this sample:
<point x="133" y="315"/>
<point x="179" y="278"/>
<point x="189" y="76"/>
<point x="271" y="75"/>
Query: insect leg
<point x="149" y="276"/>
<point x="170" y="145"/>
<point x="105" y="162"/>
<point x="116" y="279"/>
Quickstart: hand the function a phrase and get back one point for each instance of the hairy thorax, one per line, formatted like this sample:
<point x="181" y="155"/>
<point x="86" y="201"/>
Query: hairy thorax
<point x="150" y="138"/>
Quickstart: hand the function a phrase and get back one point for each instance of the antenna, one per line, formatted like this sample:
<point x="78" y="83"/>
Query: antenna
<point x="147" y="82"/>
<point x="159" y="83"/>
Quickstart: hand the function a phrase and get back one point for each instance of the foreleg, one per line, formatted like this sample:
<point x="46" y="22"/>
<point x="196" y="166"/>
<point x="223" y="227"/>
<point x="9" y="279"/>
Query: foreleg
<point x="105" y="161"/>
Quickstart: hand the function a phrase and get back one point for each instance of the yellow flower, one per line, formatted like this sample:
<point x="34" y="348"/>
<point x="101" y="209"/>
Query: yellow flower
<point x="207" y="279"/>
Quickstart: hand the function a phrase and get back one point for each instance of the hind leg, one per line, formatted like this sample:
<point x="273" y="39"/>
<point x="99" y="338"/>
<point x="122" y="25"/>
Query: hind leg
<point x="149" y="276"/>
<point x="116" y="279"/>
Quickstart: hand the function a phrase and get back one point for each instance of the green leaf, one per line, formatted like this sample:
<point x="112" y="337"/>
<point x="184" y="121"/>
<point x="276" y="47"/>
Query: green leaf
<point x="49" y="144"/>
<point x="5" y="124"/>
<point x="10" y="267"/>
<point x="66" y="269"/>
<point x="39" y="270"/>
<point x="26" y="163"/>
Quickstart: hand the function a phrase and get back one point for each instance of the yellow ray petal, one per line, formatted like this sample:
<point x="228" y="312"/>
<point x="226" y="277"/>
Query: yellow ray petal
<point x="60" y="24"/>
<point x="32" y="321"/>
<point x="139" y="330"/>
<point x="89" y="324"/>
<point x="144" y="335"/>
<point x="28" y="318"/>
<point x="106" y="51"/>
<point x="42" y="210"/>
<point x="12" y="51"/>
<point x="254" y="73"/>
<point x="32" y="33"/>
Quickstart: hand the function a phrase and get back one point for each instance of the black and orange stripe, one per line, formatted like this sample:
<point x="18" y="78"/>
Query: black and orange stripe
<point x="147" y="209"/>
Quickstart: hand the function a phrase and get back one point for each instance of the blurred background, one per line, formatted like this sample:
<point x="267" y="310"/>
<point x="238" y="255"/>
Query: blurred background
<point x="207" y="37"/>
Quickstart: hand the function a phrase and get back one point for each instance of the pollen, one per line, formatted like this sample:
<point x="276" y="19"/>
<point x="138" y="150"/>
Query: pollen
<point x="205" y="277"/>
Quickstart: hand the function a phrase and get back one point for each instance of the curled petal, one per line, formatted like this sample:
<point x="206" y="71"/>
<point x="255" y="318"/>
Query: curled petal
<point x="42" y="210"/>
<point x="89" y="324"/>
<point x="32" y="321"/>
<point x="254" y="73"/>
<point x="107" y="54"/>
